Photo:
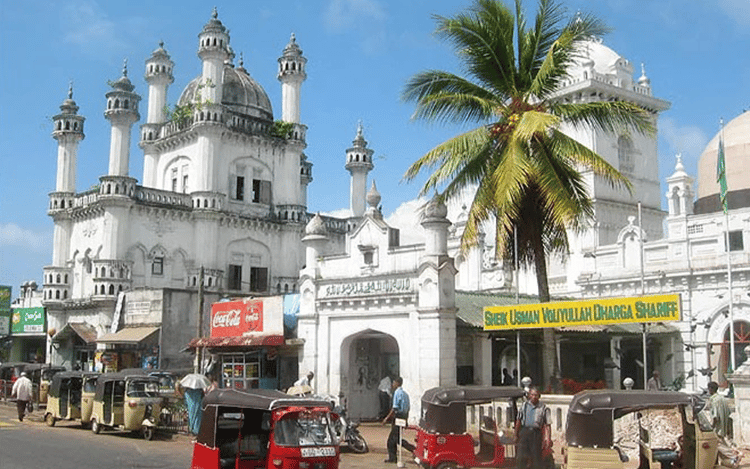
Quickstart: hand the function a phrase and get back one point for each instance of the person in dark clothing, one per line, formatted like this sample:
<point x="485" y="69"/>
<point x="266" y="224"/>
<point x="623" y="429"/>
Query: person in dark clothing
<point x="533" y="433"/>
<point x="507" y="378"/>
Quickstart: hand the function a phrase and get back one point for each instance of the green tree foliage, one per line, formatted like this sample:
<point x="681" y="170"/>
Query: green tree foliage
<point x="525" y="169"/>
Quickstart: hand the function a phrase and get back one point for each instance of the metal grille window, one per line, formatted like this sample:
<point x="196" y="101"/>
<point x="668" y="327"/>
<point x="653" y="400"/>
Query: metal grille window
<point x="241" y="371"/>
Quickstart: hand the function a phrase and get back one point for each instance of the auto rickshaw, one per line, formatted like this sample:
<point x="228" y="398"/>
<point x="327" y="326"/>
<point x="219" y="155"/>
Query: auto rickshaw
<point x="88" y="391"/>
<point x="590" y="435"/>
<point x="9" y="373"/>
<point x="442" y="437"/>
<point x="64" y="398"/>
<point x="41" y="375"/>
<point x="261" y="428"/>
<point x="126" y="402"/>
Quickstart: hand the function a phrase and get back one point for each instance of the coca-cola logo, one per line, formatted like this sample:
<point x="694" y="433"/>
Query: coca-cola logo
<point x="229" y="318"/>
<point x="252" y="317"/>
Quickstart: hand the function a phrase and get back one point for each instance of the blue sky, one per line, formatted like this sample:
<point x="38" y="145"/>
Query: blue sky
<point x="360" y="53"/>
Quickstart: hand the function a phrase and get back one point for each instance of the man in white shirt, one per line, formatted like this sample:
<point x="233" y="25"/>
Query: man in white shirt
<point x="384" y="394"/>
<point x="22" y="392"/>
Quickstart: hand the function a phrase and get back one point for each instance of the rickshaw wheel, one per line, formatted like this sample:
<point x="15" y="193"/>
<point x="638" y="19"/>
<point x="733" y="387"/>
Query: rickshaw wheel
<point x="49" y="419"/>
<point x="95" y="427"/>
<point x="148" y="433"/>
<point x="447" y="465"/>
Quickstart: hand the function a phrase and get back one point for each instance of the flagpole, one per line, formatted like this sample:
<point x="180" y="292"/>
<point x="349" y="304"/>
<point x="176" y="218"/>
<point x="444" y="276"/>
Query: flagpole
<point x="518" y="287"/>
<point x="721" y="178"/>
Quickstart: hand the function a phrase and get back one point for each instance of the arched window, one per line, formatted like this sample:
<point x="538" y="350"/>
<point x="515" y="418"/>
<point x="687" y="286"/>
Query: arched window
<point x="625" y="155"/>
<point x="111" y="289"/>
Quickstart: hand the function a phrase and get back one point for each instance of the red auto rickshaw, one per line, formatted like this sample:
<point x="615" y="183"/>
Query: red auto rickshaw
<point x="443" y="441"/>
<point x="261" y="428"/>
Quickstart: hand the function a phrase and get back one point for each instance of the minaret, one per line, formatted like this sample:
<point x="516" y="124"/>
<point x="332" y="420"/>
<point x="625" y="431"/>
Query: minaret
<point x="680" y="191"/>
<point x="358" y="163"/>
<point x="68" y="132"/>
<point x="158" y="76"/>
<point x="122" y="112"/>
<point x="214" y="51"/>
<point x="291" y="75"/>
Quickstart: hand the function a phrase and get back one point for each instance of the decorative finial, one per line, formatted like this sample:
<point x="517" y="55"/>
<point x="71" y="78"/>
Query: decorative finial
<point x="679" y="166"/>
<point x="242" y="61"/>
<point x="161" y="44"/>
<point x="293" y="38"/>
<point x="215" y="13"/>
<point x="643" y="69"/>
<point x="125" y="67"/>
<point x="70" y="90"/>
<point x="359" y="128"/>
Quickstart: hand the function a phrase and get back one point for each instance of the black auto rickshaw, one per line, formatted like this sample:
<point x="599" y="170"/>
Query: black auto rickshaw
<point x="263" y="428"/>
<point x="442" y="437"/>
<point x="64" y="398"/>
<point x="126" y="402"/>
<point x="590" y="435"/>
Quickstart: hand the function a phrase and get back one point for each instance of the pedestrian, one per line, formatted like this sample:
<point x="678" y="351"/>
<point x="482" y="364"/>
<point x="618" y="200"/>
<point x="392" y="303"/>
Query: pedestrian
<point x="654" y="383"/>
<point x="193" y="400"/>
<point x="22" y="392"/>
<point x="305" y="380"/>
<point x="384" y="394"/>
<point x="399" y="410"/>
<point x="532" y="431"/>
<point x="717" y="410"/>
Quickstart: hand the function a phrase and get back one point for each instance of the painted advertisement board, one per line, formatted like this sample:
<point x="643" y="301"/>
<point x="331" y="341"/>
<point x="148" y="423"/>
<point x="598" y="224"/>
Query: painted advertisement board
<point x="236" y="318"/>
<point x="27" y="321"/>
<point x="606" y="311"/>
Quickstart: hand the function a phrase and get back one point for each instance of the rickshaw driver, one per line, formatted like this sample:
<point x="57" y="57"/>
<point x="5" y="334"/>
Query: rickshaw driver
<point x="532" y="431"/>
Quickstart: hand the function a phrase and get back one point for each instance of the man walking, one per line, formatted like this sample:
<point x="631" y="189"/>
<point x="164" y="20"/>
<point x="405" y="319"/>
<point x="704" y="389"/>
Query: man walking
<point x="399" y="410"/>
<point x="22" y="392"/>
<point x="717" y="410"/>
<point x="384" y="395"/>
<point x="533" y="433"/>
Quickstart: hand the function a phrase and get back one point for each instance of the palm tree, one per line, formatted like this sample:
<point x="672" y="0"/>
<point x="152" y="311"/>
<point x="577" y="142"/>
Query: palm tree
<point x="526" y="170"/>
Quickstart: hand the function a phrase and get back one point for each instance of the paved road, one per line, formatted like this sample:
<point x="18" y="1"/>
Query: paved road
<point x="31" y="444"/>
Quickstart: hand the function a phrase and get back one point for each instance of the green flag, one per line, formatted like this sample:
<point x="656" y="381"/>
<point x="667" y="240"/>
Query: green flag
<point x="721" y="175"/>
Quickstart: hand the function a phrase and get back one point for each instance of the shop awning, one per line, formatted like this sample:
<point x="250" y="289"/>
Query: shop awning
<point x="128" y="335"/>
<point x="86" y="332"/>
<point x="242" y="341"/>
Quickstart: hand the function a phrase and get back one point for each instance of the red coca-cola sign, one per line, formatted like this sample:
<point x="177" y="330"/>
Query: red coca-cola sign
<point x="236" y="318"/>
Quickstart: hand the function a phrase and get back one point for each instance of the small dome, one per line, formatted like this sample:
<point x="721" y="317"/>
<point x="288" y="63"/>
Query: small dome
<point x="241" y="94"/>
<point x="604" y="59"/>
<point x="316" y="226"/>
<point x="435" y="209"/>
<point x="373" y="196"/>
<point x="736" y="157"/>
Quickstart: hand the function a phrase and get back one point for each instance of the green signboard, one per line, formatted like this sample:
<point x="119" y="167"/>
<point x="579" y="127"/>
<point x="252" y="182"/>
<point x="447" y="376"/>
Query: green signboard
<point x="27" y="321"/>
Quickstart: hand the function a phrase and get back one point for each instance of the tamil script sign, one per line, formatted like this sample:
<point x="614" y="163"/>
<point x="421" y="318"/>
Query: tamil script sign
<point x="27" y="321"/>
<point x="655" y="308"/>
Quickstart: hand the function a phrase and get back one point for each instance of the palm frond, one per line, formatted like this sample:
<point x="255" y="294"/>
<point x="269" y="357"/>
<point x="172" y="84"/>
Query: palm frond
<point x="609" y="116"/>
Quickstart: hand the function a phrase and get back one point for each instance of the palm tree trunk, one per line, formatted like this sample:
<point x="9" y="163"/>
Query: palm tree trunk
<point x="550" y="370"/>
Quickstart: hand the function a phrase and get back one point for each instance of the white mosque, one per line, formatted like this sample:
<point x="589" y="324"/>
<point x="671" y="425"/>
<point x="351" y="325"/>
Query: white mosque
<point x="222" y="210"/>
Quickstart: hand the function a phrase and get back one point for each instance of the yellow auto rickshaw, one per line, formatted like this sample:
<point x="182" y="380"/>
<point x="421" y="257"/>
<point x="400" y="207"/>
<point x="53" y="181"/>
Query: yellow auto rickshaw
<point x="41" y="375"/>
<point x="64" y="397"/>
<point x="88" y="391"/>
<point x="126" y="402"/>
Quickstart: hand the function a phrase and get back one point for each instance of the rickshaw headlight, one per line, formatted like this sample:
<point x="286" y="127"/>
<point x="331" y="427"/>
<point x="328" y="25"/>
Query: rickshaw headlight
<point x="132" y="404"/>
<point x="277" y="462"/>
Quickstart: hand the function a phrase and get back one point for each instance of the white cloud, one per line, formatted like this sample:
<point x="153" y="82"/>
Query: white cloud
<point x="14" y="235"/>
<point x="737" y="10"/>
<point x="688" y="140"/>
<point x="343" y="15"/>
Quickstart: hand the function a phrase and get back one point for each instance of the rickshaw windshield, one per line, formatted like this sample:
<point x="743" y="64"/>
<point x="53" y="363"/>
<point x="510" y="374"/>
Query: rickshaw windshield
<point x="143" y="388"/>
<point x="304" y="429"/>
<point x="89" y="386"/>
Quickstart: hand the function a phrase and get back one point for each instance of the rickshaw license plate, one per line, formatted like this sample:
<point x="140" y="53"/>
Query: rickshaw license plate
<point x="318" y="452"/>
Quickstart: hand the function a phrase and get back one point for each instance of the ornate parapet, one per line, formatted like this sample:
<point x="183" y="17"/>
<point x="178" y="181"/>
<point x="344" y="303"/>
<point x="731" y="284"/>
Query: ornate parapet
<point x="57" y="283"/>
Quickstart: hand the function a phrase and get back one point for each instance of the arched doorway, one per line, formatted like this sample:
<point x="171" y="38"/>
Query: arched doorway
<point x="366" y="357"/>
<point x="741" y="340"/>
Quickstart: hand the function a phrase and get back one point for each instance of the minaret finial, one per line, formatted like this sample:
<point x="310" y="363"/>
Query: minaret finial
<point x="215" y="13"/>
<point x="359" y="128"/>
<point x="125" y="67"/>
<point x="70" y="90"/>
<point x="242" y="60"/>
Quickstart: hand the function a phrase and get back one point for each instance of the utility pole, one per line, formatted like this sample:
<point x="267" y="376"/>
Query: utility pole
<point x="199" y="332"/>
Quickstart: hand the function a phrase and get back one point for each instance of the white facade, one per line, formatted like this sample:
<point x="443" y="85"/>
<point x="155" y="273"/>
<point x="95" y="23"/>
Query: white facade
<point x="224" y="192"/>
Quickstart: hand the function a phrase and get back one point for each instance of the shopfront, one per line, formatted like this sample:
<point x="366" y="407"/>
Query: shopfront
<point x="130" y="347"/>
<point x="28" y="326"/>
<point x="245" y="343"/>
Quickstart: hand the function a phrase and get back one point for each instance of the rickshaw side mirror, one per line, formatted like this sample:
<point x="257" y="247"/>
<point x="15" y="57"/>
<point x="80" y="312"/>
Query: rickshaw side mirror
<point x="265" y="423"/>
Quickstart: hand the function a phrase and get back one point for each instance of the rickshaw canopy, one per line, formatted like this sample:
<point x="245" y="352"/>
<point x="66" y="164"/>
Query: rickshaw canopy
<point x="444" y="408"/>
<point x="105" y="378"/>
<point x="65" y="376"/>
<point x="591" y="413"/>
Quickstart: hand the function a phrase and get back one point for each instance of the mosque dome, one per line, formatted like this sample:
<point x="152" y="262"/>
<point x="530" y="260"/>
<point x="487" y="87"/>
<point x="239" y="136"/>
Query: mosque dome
<point x="316" y="226"/>
<point x="737" y="163"/>
<point x="241" y="94"/>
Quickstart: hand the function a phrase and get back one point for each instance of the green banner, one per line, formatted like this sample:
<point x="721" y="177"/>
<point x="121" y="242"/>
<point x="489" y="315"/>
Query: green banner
<point x="27" y="321"/>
